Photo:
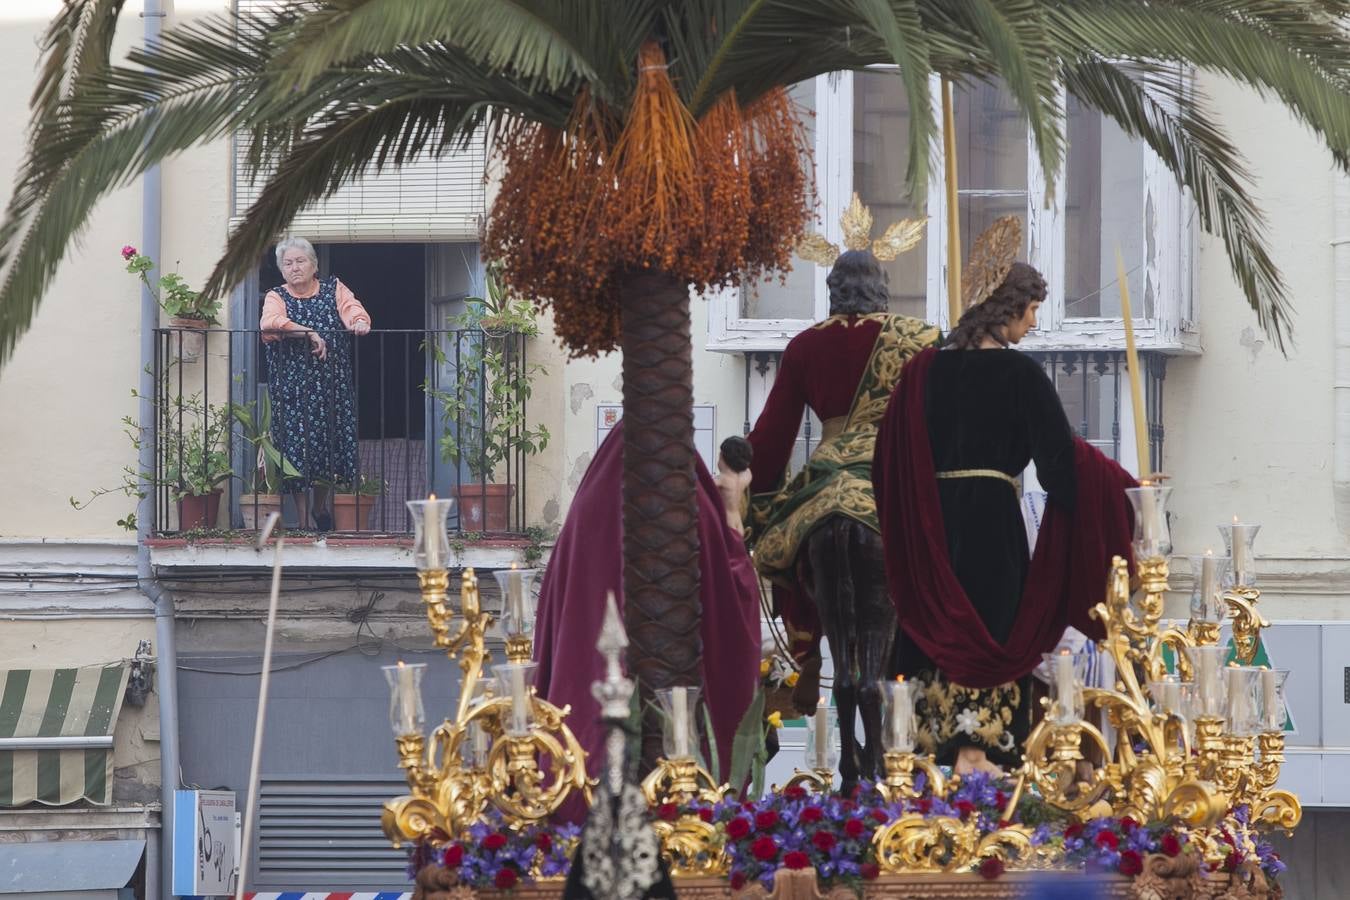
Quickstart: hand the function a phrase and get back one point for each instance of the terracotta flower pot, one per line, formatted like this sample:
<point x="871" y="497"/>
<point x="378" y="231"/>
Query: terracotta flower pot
<point x="354" y="512"/>
<point x="198" y="511"/>
<point x="255" y="508"/>
<point x="484" y="507"/>
<point x="190" y="343"/>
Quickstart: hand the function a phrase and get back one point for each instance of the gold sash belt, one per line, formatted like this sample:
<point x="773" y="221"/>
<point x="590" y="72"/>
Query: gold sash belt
<point x="979" y="473"/>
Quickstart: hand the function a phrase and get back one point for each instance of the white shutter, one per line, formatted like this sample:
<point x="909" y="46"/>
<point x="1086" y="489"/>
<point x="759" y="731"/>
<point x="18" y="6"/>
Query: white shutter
<point x="429" y="199"/>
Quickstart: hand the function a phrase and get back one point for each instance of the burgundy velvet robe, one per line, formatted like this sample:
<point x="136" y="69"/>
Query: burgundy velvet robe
<point x="587" y="563"/>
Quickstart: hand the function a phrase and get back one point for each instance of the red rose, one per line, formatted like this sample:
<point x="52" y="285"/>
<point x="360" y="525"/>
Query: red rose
<point x="1107" y="839"/>
<point x="1171" y="844"/>
<point x="1000" y="799"/>
<point x="494" y="841"/>
<point x="738" y="828"/>
<point x="869" y="871"/>
<point x="1131" y="863"/>
<point x="848" y="805"/>
<point x="1004" y="823"/>
<point x="1232" y="861"/>
<point x="964" y="808"/>
<point x="454" y="855"/>
<point x="824" y="841"/>
<point x="544" y="841"/>
<point x="854" y="828"/>
<point x="797" y="860"/>
<point x="812" y="814"/>
<point x="766" y="820"/>
<point x="1073" y="831"/>
<point x="1128" y="824"/>
<point x="923" y="805"/>
<point x="705" y="814"/>
<point x="879" y="815"/>
<point x="668" y="812"/>
<point x="794" y="792"/>
<point x="737" y="880"/>
<point x="991" y="867"/>
<point x="764" y="849"/>
<point x="506" y="879"/>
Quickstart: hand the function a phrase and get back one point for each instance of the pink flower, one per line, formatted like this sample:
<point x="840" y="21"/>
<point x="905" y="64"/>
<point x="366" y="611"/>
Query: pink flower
<point x="1107" y="839"/>
<point x="128" y="252"/>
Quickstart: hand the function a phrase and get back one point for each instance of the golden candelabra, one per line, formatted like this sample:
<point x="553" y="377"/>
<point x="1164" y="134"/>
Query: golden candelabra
<point x="491" y="751"/>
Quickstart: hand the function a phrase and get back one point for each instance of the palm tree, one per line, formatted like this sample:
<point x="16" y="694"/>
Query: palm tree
<point x="653" y="106"/>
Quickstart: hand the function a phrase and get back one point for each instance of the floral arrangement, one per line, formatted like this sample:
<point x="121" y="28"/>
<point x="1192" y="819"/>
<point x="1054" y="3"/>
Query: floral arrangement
<point x="494" y="855"/>
<point x="173" y="295"/>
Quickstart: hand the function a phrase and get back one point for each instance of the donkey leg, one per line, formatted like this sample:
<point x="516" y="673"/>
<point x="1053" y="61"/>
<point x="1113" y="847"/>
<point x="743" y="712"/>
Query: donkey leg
<point x="875" y="629"/>
<point x="832" y="590"/>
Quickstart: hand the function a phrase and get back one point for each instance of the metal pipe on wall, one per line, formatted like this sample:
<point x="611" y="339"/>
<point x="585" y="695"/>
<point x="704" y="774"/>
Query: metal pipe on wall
<point x="1340" y="292"/>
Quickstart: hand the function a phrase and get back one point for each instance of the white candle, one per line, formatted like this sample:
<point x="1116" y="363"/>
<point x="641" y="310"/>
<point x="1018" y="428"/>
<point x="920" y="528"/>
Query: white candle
<point x="431" y="533"/>
<point x="1209" y="584"/>
<point x="1064" y="686"/>
<point x="821" y="749"/>
<point x="1205" y="682"/>
<point x="1240" y="561"/>
<point x="1239" y="700"/>
<point x="1148" y="512"/>
<point x="1270" y="702"/>
<point x="515" y="600"/>
<point x="1171" y="697"/>
<point x="520" y="701"/>
<point x="679" y="714"/>
<point x="902" y="707"/>
<point x="407" y="700"/>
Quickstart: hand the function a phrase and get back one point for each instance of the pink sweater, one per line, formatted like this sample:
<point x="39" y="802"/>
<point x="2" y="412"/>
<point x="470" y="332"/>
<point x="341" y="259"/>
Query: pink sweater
<point x="274" y="319"/>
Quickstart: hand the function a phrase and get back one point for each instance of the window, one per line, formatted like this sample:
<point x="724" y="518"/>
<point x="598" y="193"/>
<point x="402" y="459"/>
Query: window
<point x="1112" y="193"/>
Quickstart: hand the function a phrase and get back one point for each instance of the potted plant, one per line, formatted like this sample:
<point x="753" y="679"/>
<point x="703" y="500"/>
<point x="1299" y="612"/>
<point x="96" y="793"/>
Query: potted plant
<point x="483" y="410"/>
<point x="262" y="489"/>
<point x="349" y="501"/>
<point x="187" y="309"/>
<point x="192" y="440"/>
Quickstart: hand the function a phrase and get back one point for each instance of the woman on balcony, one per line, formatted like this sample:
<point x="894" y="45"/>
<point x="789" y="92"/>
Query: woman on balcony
<point x="304" y="325"/>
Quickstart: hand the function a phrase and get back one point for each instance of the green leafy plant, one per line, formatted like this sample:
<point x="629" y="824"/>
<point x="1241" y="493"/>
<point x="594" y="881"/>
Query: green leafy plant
<point x="366" y="486"/>
<point x="483" y="410"/>
<point x="173" y="294"/>
<point x="271" y="468"/>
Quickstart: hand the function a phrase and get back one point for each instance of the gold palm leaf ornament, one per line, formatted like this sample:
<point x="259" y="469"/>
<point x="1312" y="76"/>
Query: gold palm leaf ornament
<point x="992" y="255"/>
<point x="856" y="223"/>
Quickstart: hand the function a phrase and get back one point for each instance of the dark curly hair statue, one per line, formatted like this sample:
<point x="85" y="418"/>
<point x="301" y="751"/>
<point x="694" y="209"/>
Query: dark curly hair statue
<point x="1021" y="287"/>
<point x="858" y="285"/>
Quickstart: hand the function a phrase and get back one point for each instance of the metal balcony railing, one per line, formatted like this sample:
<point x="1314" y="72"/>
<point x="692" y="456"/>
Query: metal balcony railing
<point x="391" y="416"/>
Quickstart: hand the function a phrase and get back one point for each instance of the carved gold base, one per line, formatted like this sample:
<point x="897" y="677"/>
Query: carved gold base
<point x="680" y="780"/>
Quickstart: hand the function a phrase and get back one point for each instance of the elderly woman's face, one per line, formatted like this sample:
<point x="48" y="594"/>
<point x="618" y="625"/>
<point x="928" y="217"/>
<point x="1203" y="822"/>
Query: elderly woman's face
<point x="297" y="268"/>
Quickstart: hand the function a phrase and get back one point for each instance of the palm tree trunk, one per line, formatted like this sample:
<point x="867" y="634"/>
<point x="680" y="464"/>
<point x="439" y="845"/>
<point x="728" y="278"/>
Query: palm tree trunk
<point x="660" y="504"/>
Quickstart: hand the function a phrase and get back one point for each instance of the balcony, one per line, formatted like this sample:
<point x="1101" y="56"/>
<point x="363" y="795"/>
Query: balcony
<point x="338" y="445"/>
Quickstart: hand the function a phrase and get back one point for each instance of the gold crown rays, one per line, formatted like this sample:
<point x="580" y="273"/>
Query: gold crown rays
<point x="991" y="256"/>
<point x="856" y="223"/>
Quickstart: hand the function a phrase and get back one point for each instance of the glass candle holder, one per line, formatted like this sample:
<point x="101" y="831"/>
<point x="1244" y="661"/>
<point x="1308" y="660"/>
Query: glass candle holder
<point x="1207" y="691"/>
<point x="1152" y="535"/>
<point x="897" y="716"/>
<point x="1274" y="705"/>
<point x="679" y="728"/>
<point x="1239" y="538"/>
<point x="515" y="680"/>
<point x="431" y="541"/>
<point x="1210" y="575"/>
<point x="406" y="713"/>
<point x="1067" y="672"/>
<point x="1171" y="696"/>
<point x="518" y="603"/>
<point x="1243" y="687"/>
<point x="820" y="752"/>
<point x="477" y="743"/>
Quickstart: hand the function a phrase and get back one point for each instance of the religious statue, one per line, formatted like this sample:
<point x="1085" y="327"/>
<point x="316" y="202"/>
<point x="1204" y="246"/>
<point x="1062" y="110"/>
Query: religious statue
<point x="976" y="610"/>
<point x="816" y="537"/>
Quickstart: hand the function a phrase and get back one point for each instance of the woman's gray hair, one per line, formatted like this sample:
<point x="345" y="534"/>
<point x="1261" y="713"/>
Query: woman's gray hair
<point x="296" y="243"/>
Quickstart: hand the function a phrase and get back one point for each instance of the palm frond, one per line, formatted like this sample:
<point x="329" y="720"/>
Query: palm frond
<point x="1306" y="65"/>
<point x="1149" y="102"/>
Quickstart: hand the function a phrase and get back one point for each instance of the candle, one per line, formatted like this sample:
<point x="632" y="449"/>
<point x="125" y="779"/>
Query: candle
<point x="821" y="749"/>
<point x="1271" y="714"/>
<point x="1132" y="361"/>
<point x="431" y="533"/>
<point x="1171" y="696"/>
<point x="1209" y="580"/>
<point x="901" y="709"/>
<point x="1064" y="687"/>
<point x="478" y="744"/>
<point x="515" y="601"/>
<point x="1241" y="552"/>
<point x="407" y="700"/>
<point x="1206" y="682"/>
<point x="1240" y="712"/>
<point x="679" y="715"/>
<point x="520" y="701"/>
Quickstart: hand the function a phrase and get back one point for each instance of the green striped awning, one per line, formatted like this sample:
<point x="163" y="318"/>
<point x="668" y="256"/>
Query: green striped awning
<point x="56" y="730"/>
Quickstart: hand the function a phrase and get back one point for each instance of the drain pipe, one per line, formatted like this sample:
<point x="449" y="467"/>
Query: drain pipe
<point x="166" y="668"/>
<point x="1340" y="297"/>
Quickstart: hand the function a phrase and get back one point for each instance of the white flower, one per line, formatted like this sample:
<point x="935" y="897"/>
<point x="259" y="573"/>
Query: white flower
<point x="1006" y="741"/>
<point x="967" y="720"/>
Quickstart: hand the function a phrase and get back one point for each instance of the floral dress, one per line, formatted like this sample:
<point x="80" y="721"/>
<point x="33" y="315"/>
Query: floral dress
<point x="313" y="400"/>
